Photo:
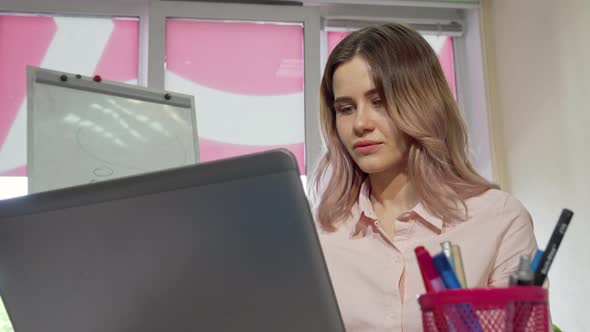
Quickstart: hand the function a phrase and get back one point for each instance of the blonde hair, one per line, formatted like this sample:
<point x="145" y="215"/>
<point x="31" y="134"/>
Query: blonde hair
<point x="409" y="79"/>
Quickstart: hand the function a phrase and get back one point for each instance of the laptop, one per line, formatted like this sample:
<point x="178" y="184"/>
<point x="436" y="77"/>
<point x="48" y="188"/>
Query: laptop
<point x="221" y="246"/>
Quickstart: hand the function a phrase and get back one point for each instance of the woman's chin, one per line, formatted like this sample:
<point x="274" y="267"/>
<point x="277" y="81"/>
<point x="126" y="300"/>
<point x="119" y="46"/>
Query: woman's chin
<point x="371" y="165"/>
<point x="372" y="168"/>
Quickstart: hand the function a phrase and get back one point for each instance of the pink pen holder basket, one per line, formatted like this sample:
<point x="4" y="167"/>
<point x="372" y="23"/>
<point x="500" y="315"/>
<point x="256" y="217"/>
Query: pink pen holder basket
<point x="510" y="309"/>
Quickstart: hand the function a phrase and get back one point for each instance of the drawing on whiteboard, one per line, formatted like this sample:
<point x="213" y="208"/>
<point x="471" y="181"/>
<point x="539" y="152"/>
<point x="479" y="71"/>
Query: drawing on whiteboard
<point x="120" y="137"/>
<point x="103" y="171"/>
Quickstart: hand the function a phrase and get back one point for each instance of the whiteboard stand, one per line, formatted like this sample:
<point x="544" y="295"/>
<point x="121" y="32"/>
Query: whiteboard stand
<point x="82" y="129"/>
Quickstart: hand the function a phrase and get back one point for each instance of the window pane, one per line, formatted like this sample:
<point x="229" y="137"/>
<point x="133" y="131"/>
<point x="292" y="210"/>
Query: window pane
<point x="88" y="46"/>
<point x="335" y="37"/>
<point x="442" y="45"/>
<point x="247" y="79"/>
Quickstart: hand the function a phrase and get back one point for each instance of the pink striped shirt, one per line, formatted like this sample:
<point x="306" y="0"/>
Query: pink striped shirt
<point x="377" y="279"/>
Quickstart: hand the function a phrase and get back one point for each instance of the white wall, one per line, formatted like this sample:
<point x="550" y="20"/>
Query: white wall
<point x="541" y="53"/>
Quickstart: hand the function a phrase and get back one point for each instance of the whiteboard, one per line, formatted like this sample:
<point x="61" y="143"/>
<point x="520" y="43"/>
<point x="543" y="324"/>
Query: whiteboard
<point x="81" y="130"/>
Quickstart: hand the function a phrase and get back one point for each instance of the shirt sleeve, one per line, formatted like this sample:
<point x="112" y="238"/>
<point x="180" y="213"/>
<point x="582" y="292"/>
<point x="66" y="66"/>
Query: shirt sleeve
<point x="518" y="239"/>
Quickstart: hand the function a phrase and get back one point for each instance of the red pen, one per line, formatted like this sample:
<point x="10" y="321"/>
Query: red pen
<point x="432" y="281"/>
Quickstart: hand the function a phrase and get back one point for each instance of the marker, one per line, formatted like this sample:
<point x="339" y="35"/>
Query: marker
<point x="536" y="260"/>
<point x="459" y="270"/>
<point x="432" y="280"/>
<point x="446" y="271"/>
<point x="447" y="250"/>
<point x="552" y="246"/>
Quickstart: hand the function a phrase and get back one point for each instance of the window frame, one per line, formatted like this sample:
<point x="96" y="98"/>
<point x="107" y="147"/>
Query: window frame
<point x="473" y="100"/>
<point x="106" y="9"/>
<point x="308" y="16"/>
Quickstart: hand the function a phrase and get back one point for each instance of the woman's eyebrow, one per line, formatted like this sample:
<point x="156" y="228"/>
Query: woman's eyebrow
<point x="371" y="92"/>
<point x="343" y="100"/>
<point x="346" y="99"/>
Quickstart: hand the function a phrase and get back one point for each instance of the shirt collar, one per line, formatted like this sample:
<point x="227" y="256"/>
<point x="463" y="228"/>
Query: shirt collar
<point x="366" y="209"/>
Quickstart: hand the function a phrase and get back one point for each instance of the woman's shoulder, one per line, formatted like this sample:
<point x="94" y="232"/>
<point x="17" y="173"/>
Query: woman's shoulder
<point x="497" y="203"/>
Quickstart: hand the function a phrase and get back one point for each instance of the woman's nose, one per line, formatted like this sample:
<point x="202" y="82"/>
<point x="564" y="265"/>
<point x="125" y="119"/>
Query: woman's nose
<point x="362" y="120"/>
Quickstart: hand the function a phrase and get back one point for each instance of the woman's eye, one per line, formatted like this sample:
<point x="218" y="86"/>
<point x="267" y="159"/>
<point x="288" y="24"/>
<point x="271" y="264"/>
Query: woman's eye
<point x="377" y="102"/>
<point x="345" y="109"/>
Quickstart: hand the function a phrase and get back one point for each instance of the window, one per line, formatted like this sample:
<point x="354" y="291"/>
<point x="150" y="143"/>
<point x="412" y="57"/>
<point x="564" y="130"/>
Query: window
<point x="86" y="45"/>
<point x="247" y="79"/>
<point x="254" y="71"/>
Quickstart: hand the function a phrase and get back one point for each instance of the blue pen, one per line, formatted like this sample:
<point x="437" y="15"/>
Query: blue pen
<point x="462" y="312"/>
<point x="446" y="271"/>
<point x="536" y="260"/>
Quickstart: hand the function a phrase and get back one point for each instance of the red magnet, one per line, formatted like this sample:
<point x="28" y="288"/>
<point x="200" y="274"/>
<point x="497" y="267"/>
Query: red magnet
<point x="97" y="78"/>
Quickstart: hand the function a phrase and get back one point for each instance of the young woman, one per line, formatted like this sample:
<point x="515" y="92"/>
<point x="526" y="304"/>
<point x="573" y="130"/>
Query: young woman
<point x="396" y="175"/>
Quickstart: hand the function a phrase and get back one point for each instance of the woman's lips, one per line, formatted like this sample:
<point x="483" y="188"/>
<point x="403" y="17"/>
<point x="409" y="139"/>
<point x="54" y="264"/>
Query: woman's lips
<point x="367" y="147"/>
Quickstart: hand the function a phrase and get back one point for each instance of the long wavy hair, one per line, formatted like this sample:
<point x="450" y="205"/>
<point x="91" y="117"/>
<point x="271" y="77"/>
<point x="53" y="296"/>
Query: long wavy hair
<point x="409" y="79"/>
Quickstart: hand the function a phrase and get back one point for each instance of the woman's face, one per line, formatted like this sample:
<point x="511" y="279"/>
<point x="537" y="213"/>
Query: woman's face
<point x="362" y="122"/>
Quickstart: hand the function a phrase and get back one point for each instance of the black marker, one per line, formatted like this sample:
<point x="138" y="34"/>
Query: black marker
<point x="552" y="246"/>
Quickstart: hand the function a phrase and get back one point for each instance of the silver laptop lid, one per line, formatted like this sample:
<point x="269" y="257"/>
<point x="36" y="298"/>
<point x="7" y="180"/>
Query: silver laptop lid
<point x="222" y="246"/>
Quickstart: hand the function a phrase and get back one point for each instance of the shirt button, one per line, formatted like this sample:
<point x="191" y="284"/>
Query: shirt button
<point x="405" y="217"/>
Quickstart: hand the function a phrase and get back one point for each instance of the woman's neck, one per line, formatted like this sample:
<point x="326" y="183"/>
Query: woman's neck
<point x="393" y="191"/>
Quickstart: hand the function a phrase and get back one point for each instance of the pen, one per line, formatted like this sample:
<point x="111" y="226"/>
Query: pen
<point x="536" y="260"/>
<point x="523" y="276"/>
<point x="552" y="246"/>
<point x="447" y="250"/>
<point x="432" y="280"/>
<point x="446" y="271"/>
<point x="459" y="270"/>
